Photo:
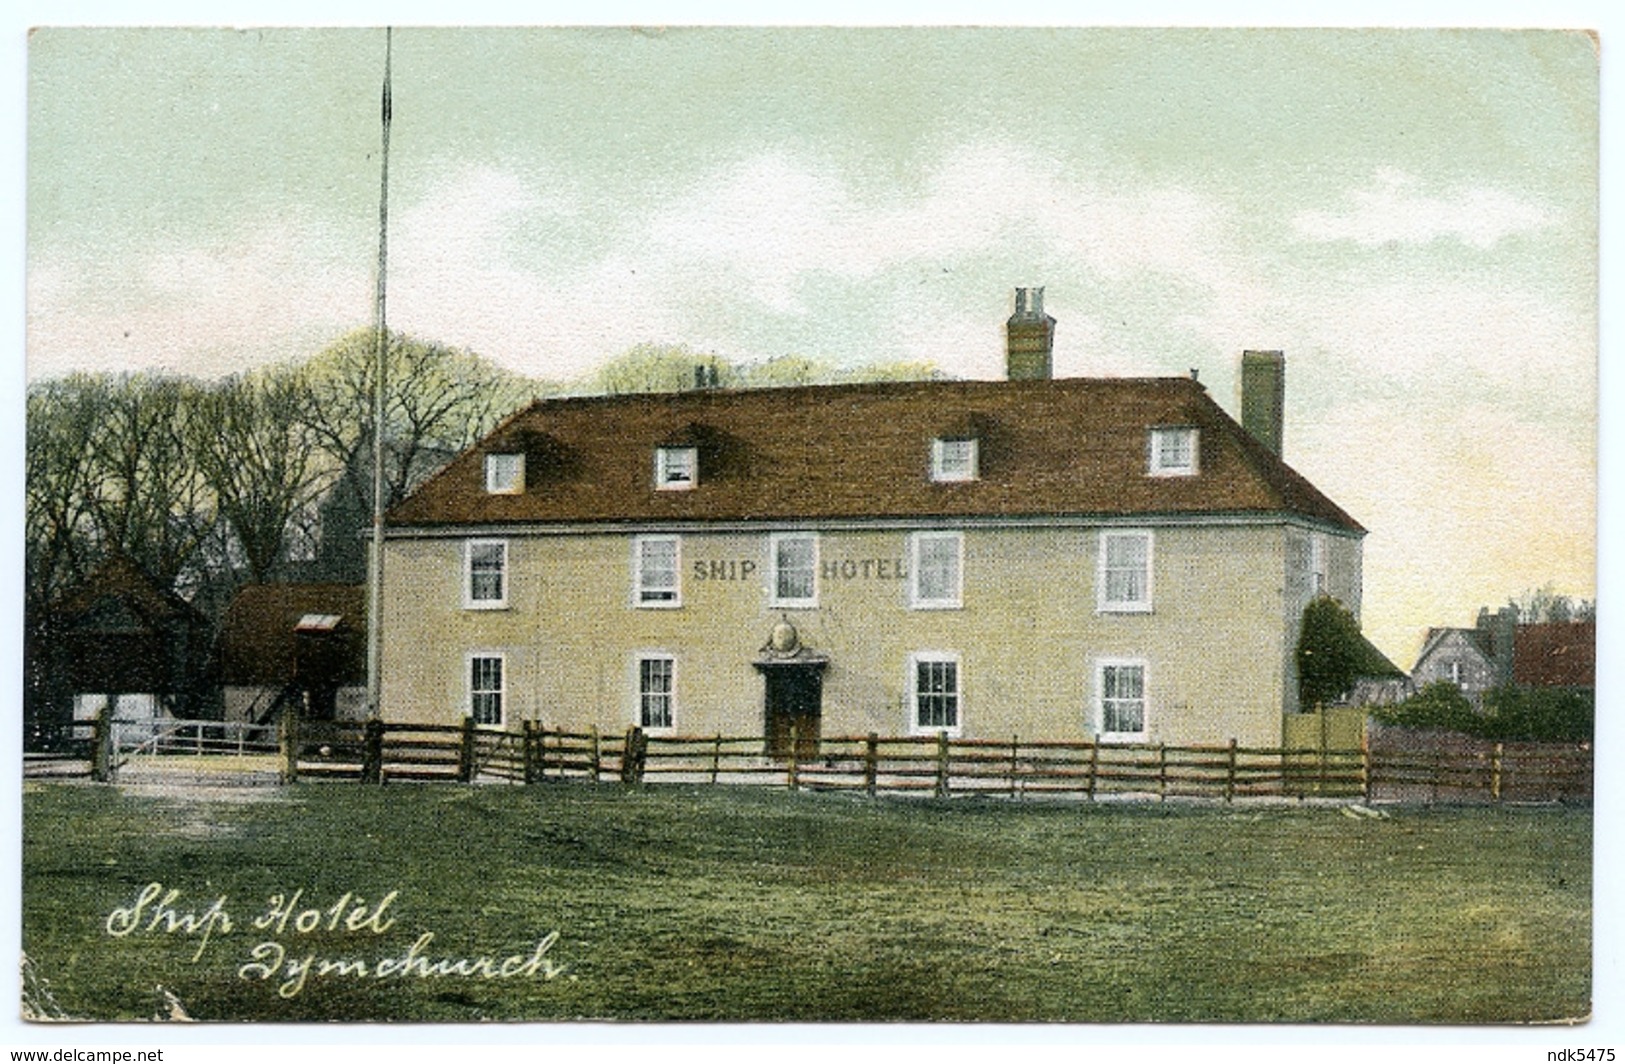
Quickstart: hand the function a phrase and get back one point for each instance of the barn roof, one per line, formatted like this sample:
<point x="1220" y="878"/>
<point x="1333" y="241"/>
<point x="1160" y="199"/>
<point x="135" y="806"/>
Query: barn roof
<point x="258" y="641"/>
<point x="1559" y="654"/>
<point x="1075" y="447"/>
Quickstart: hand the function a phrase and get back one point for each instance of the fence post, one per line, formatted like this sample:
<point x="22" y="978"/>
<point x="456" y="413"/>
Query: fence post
<point x="465" y="752"/>
<point x="1320" y="783"/>
<point x="793" y="778"/>
<point x="1094" y="767"/>
<point x="942" y="764"/>
<point x="1162" y="772"/>
<point x="871" y="762"/>
<point x="716" y="757"/>
<point x="101" y="745"/>
<point x="1230" y="773"/>
<point x="1495" y="771"/>
<point x="372" y="751"/>
<point x="1015" y="741"/>
<point x="632" y="755"/>
<point x="527" y="751"/>
<point x="1365" y="766"/>
<point x="596" y="754"/>
<point x="287" y="734"/>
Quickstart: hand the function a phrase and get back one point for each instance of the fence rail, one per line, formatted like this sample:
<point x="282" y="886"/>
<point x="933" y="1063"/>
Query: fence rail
<point x="378" y="752"/>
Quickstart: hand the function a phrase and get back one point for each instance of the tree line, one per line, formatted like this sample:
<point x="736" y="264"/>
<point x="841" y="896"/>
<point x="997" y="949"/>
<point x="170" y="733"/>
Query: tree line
<point x="211" y="484"/>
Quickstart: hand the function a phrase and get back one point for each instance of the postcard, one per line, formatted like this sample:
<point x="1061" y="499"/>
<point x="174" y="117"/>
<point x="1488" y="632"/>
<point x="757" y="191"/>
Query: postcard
<point x="820" y="525"/>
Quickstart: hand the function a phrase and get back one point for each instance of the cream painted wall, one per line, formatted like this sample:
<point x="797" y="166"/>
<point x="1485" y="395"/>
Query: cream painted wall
<point x="1028" y="635"/>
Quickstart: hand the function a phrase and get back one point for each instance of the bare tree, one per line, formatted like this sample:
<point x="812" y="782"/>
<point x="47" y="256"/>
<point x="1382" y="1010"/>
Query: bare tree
<point x="147" y="498"/>
<point x="60" y="542"/>
<point x="437" y="401"/>
<point x="258" y="455"/>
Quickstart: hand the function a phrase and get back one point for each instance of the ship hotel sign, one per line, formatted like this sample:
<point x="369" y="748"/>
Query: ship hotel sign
<point x="849" y="569"/>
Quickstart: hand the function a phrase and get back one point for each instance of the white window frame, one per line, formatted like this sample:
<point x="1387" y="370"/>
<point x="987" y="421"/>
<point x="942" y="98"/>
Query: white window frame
<point x="943" y="472"/>
<point x="774" y="541"/>
<point x="1143" y="735"/>
<point x="935" y="657"/>
<point x="1158" y="467"/>
<point x="916" y="543"/>
<point x="470" y="602"/>
<point x="471" y="692"/>
<point x="494" y="481"/>
<point x="669" y="461"/>
<point x="1103" y="602"/>
<point x="642" y="591"/>
<point x="639" y="694"/>
<point x="1457" y="674"/>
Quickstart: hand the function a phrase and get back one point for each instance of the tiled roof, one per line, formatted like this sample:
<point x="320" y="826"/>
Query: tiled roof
<point x="1561" y="654"/>
<point x="1048" y="447"/>
<point x="257" y="644"/>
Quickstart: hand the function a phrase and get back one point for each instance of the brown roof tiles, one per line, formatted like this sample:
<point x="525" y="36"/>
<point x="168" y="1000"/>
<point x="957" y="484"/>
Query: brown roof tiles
<point x="1048" y="447"/>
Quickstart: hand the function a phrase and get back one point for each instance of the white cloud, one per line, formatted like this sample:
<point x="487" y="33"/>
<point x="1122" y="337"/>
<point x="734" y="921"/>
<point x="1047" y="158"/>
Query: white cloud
<point x="1397" y="211"/>
<point x="204" y="308"/>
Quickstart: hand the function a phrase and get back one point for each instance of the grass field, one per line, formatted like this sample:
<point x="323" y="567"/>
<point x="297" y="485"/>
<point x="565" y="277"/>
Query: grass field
<point x="734" y="904"/>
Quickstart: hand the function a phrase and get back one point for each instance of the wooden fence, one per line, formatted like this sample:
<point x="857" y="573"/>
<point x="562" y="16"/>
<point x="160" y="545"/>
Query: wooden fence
<point x="1457" y="771"/>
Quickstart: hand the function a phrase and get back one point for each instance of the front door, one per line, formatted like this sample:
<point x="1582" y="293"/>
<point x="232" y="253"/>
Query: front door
<point x="794" y="700"/>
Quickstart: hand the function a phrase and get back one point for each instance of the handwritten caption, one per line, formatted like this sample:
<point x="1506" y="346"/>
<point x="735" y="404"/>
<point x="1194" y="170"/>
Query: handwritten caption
<point x="283" y="923"/>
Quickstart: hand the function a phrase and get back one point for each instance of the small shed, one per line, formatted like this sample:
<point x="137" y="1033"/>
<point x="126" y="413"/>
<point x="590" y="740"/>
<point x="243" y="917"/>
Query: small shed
<point x="303" y="645"/>
<point x="119" y="640"/>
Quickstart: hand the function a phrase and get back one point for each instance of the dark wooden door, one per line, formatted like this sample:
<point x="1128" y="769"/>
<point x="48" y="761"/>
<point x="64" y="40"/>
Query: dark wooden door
<point x="794" y="700"/>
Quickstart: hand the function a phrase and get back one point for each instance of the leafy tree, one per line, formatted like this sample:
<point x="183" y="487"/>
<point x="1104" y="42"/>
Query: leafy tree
<point x="658" y="368"/>
<point x="1438" y="705"/>
<point x="1331" y="652"/>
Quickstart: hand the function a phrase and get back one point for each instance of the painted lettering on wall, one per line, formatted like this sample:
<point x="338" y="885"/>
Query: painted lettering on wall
<point x="736" y="569"/>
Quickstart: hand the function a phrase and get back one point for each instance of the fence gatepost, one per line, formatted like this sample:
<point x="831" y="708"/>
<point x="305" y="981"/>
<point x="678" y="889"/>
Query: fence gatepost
<point x="871" y="762"/>
<point x="287" y="734"/>
<point x="465" y="752"/>
<point x="942" y="764"/>
<point x="101" y="745"/>
<point x="372" y="751"/>
<point x="793" y="773"/>
<point x="632" y="755"/>
<point x="1495" y="771"/>
<point x="1230" y="773"/>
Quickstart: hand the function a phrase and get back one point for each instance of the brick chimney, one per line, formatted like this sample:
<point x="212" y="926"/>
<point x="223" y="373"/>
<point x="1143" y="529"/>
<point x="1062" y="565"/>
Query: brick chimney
<point x="1262" y="385"/>
<point x="1029" y="338"/>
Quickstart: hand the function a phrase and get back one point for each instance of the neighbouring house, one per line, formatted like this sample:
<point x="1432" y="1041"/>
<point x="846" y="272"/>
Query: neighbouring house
<point x="1379" y="682"/>
<point x="1048" y="558"/>
<point x="1556" y="654"/>
<point x="1474" y="659"/>
<point x="293" y="646"/>
<point x="122" y="641"/>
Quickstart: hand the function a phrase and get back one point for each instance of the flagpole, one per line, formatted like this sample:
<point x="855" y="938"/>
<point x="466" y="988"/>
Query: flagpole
<point x="375" y="568"/>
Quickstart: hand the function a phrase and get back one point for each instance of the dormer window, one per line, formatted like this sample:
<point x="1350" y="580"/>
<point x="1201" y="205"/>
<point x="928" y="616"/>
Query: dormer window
<point x="504" y="474"/>
<point x="953" y="459"/>
<point x="1173" y="452"/>
<point x="676" y="468"/>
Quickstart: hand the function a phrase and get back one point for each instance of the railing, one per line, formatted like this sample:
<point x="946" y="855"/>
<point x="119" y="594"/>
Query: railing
<point x="161" y="736"/>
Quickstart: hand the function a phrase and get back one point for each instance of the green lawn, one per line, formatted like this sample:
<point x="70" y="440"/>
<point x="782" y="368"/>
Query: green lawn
<point x="729" y="903"/>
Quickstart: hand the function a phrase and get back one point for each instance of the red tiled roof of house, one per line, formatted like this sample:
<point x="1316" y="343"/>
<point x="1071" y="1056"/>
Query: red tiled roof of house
<point x="1047" y="447"/>
<point x="1558" y="654"/>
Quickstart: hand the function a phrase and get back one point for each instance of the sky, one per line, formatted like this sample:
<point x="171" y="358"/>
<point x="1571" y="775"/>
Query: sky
<point x="1410" y="215"/>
